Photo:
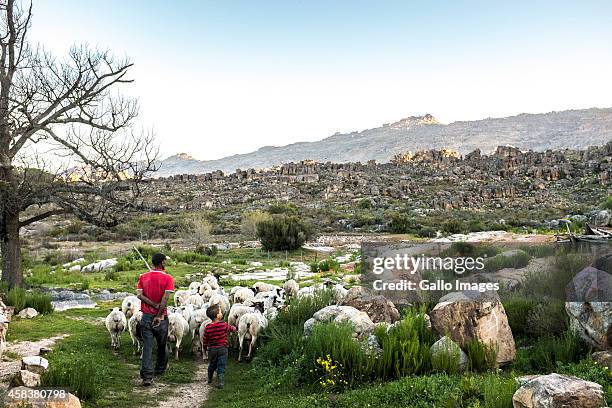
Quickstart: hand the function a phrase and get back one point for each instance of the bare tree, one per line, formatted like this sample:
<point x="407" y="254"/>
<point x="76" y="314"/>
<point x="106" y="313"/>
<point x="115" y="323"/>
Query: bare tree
<point x="196" y="230"/>
<point x="67" y="143"/>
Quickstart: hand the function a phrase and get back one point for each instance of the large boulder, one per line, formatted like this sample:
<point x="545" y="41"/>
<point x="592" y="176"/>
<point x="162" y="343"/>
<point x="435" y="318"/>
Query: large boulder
<point x="466" y="316"/>
<point x="447" y="346"/>
<point x="35" y="364"/>
<point x="28" y="313"/>
<point x="100" y="266"/>
<point x="17" y="401"/>
<point x="25" y="378"/>
<point x="558" y="391"/>
<point x="361" y="322"/>
<point x="379" y="308"/>
<point x="589" y="315"/>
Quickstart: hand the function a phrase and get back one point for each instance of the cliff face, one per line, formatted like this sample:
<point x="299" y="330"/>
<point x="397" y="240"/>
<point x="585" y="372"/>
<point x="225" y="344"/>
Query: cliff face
<point x="573" y="129"/>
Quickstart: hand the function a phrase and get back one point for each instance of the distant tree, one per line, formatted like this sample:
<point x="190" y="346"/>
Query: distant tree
<point x="282" y="232"/>
<point x="250" y="220"/>
<point x="196" y="230"/>
<point x="66" y="138"/>
<point x="283" y="208"/>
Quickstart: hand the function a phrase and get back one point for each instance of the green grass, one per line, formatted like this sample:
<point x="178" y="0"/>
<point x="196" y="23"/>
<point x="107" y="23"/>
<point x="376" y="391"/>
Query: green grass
<point x="250" y="388"/>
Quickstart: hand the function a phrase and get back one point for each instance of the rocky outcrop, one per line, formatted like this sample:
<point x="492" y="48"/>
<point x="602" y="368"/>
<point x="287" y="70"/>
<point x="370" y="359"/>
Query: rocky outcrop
<point x="361" y="322"/>
<point x="377" y="307"/>
<point x="557" y="391"/>
<point x="589" y="314"/>
<point x="465" y="316"/>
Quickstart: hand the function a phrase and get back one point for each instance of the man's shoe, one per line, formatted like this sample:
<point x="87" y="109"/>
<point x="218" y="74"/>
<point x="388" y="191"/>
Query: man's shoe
<point x="210" y="378"/>
<point x="147" y="383"/>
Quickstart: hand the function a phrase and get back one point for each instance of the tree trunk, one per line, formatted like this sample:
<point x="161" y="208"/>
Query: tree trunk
<point x="11" y="251"/>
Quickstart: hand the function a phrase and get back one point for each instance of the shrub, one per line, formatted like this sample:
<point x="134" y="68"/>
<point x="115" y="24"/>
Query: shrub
<point x="453" y="226"/>
<point x="405" y="347"/>
<point x="481" y="357"/>
<point x="330" y="341"/>
<point x="516" y="259"/>
<point x="20" y="299"/>
<point x="250" y="221"/>
<point x="550" y="351"/>
<point x="518" y="310"/>
<point x="402" y="224"/>
<point x="80" y="378"/>
<point x="208" y="250"/>
<point x="497" y="392"/>
<point x="446" y="361"/>
<point x="328" y="265"/>
<point x="547" y="318"/>
<point x="282" y="232"/>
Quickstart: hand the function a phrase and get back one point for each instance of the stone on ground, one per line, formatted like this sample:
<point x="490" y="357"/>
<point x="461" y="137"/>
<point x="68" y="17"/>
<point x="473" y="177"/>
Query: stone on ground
<point x="466" y="316"/>
<point x="603" y="358"/>
<point x="558" y="391"/>
<point x="36" y="364"/>
<point x="28" y="313"/>
<point x="361" y="322"/>
<point x="379" y="308"/>
<point x="25" y="378"/>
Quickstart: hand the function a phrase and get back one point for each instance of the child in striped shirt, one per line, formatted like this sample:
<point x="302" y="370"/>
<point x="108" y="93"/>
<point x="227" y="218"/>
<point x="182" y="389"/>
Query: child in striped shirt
<point x="215" y="340"/>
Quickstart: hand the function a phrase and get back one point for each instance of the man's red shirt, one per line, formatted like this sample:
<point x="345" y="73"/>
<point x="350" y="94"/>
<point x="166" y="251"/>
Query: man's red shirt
<point x="153" y="284"/>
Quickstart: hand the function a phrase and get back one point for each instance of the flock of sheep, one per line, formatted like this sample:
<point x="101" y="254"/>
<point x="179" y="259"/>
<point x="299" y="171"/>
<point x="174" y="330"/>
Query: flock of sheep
<point x="247" y="308"/>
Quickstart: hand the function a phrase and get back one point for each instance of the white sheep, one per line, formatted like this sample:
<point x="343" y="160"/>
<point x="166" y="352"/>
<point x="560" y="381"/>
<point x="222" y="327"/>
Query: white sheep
<point x="205" y="323"/>
<point x="203" y="287"/>
<point x="196" y="318"/>
<point x="291" y="288"/>
<point x="133" y="323"/>
<point x="236" y="311"/>
<point x="130" y="305"/>
<point x="212" y="281"/>
<point x="177" y="329"/>
<point x="249" y="327"/>
<point x="208" y="294"/>
<point x="243" y="294"/>
<point x="186" y="311"/>
<point x="264" y="287"/>
<point x="181" y="296"/>
<point x="194" y="287"/>
<point x="195" y="300"/>
<point x="221" y="300"/>
<point x="116" y="323"/>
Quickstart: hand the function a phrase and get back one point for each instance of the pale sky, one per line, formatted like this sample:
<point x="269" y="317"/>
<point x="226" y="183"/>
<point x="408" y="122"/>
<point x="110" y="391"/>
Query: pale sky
<point x="216" y="78"/>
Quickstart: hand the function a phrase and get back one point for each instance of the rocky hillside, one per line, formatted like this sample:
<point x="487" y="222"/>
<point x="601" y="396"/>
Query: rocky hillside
<point x="574" y="129"/>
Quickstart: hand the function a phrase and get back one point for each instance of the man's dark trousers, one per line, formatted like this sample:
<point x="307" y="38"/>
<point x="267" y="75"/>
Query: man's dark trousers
<point x="160" y="334"/>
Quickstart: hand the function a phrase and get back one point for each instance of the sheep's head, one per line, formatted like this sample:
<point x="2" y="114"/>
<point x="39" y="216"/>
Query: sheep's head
<point x="259" y="306"/>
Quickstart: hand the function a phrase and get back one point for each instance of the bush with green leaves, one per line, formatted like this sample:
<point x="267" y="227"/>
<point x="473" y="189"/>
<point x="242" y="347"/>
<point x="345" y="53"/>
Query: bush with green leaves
<point x="547" y="318"/>
<point x="80" y="377"/>
<point x="512" y="259"/>
<point x="406" y="347"/>
<point x="481" y="357"/>
<point x="550" y="351"/>
<point x="282" y="232"/>
<point x="20" y="299"/>
<point x="517" y="310"/>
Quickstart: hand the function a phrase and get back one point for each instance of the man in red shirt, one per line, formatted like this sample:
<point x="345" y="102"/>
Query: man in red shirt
<point x="154" y="289"/>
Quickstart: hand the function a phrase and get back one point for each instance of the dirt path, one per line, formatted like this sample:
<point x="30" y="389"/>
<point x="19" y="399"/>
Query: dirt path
<point x="190" y="395"/>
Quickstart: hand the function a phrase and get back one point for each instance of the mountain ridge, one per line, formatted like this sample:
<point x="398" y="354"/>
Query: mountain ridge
<point x="575" y="129"/>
